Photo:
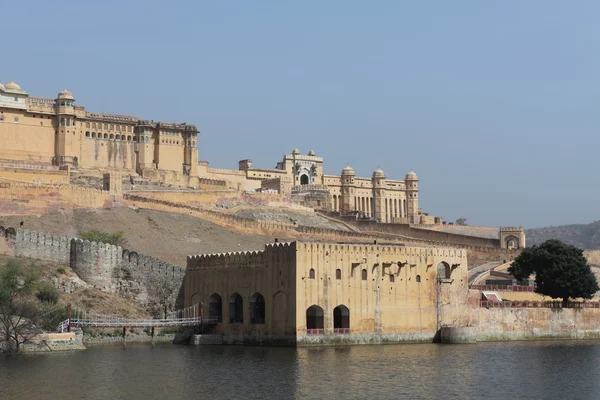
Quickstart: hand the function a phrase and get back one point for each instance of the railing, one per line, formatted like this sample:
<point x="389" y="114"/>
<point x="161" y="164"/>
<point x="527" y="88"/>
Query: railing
<point x="537" y="304"/>
<point x="504" y="288"/>
<point x="190" y="316"/>
<point x="315" y="331"/>
<point x="341" y="331"/>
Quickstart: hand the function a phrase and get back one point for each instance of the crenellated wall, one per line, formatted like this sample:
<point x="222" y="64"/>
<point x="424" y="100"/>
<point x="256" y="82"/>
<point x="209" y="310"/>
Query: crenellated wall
<point x="107" y="267"/>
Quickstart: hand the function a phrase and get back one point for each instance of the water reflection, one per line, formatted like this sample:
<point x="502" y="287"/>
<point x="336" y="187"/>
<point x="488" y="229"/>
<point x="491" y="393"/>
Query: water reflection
<point x="491" y="370"/>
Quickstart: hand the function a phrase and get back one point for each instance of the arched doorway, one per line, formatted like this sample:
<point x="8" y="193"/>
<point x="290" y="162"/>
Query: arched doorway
<point x="444" y="271"/>
<point x="236" y="309"/>
<point x="304" y="179"/>
<point x="314" y="320"/>
<point x="512" y="243"/>
<point x="341" y="319"/>
<point x="215" y="308"/>
<point x="257" y="309"/>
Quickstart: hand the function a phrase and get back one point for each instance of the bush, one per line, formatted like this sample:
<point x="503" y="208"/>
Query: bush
<point x="61" y="270"/>
<point x="47" y="293"/>
<point x="117" y="238"/>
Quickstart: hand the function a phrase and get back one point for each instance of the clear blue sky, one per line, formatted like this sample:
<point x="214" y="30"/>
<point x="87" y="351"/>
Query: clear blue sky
<point x="493" y="104"/>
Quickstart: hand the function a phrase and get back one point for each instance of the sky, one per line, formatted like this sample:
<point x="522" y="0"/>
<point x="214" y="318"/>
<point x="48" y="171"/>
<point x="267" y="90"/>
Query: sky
<point x="492" y="104"/>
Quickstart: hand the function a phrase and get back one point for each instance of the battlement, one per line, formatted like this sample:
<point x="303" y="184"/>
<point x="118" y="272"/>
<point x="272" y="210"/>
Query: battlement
<point x="512" y="229"/>
<point x="242" y="259"/>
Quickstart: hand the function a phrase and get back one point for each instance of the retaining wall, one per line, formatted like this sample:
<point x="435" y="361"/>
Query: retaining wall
<point x="107" y="267"/>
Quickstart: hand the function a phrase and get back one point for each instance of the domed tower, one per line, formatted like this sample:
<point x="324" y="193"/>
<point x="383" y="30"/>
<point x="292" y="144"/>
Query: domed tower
<point x="65" y="128"/>
<point x="412" y="197"/>
<point x="347" y="203"/>
<point x="378" y="180"/>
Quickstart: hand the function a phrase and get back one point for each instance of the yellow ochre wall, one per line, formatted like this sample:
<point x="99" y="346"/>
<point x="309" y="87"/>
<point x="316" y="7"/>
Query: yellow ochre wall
<point x="29" y="139"/>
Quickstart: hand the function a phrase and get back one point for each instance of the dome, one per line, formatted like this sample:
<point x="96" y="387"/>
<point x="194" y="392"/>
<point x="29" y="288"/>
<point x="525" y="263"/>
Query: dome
<point x="2" y="87"/>
<point x="347" y="170"/>
<point x="378" y="173"/>
<point x="411" y="176"/>
<point x="65" y="94"/>
<point x="312" y="153"/>
<point x="296" y="151"/>
<point x="12" y="86"/>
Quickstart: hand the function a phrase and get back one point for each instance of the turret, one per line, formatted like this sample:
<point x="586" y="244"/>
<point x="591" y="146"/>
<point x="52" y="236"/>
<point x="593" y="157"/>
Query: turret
<point x="412" y="197"/>
<point x="379" y="211"/>
<point x="347" y="203"/>
<point x="145" y="148"/>
<point x="65" y="127"/>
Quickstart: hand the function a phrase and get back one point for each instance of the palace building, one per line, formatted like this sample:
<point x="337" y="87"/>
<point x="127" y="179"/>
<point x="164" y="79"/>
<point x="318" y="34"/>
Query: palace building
<point x="57" y="132"/>
<point x="304" y="293"/>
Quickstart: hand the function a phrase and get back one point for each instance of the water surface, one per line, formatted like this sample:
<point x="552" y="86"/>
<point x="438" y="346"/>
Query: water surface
<point x="524" y="370"/>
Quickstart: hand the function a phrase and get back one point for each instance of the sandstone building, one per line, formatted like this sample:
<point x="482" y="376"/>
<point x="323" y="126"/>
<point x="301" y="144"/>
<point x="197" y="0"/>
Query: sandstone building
<point x="56" y="132"/>
<point x="304" y="293"/>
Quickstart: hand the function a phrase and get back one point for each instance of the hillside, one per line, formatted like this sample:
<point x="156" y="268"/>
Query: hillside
<point x="167" y="236"/>
<point x="585" y="236"/>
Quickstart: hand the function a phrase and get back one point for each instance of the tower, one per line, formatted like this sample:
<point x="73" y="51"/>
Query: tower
<point x="145" y="147"/>
<point x="347" y="203"/>
<point x="190" y="158"/>
<point x="65" y="128"/>
<point x="412" y="197"/>
<point x="379" y="211"/>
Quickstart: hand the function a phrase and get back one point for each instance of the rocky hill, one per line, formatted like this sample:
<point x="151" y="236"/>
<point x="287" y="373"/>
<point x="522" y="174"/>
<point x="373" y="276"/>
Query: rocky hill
<point x="585" y="236"/>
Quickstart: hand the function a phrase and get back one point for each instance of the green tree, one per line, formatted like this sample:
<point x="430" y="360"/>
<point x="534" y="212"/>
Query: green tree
<point x="461" y="221"/>
<point x="561" y="270"/>
<point x="19" y="311"/>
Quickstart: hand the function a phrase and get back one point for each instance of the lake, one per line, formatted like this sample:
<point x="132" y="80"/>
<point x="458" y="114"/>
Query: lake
<point x="524" y="370"/>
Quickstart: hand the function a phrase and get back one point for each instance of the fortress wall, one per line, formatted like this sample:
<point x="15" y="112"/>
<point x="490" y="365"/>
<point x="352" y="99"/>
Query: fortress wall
<point x="105" y="153"/>
<point x="19" y="198"/>
<point x="192" y="198"/>
<point x="477" y="253"/>
<point x="407" y="230"/>
<point x="107" y="267"/>
<point x="31" y="138"/>
<point x="35" y="175"/>
<point x="489" y="232"/>
<point x="495" y="324"/>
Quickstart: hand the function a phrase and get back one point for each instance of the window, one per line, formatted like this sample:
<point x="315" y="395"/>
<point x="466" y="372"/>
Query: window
<point x="87" y="134"/>
<point x="16" y="120"/>
<point x="418" y="278"/>
<point x="311" y="274"/>
<point x="1" y="118"/>
<point x="41" y="123"/>
<point x="338" y="274"/>
<point x="87" y="125"/>
<point x="392" y="279"/>
<point x="17" y="99"/>
<point x="364" y="274"/>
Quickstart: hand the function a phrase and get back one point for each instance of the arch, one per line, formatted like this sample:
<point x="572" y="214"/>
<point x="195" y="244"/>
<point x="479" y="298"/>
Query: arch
<point x="392" y="278"/>
<point x="338" y="274"/>
<point x="279" y="312"/>
<point x="304" y="179"/>
<point x="215" y="307"/>
<point x="236" y="309"/>
<point x="129" y="138"/>
<point x="418" y="278"/>
<point x="341" y="318"/>
<point x="512" y="242"/>
<point x="364" y="274"/>
<point x="93" y="135"/>
<point x="106" y="136"/>
<point x="311" y="273"/>
<point x="314" y="318"/>
<point x="257" y="309"/>
<point x="444" y="271"/>
<point x="87" y="134"/>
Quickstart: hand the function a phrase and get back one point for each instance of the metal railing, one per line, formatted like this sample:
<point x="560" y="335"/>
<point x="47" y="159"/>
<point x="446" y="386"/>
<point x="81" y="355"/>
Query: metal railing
<point x="190" y="316"/>
<point x="538" y="304"/>
<point x="504" y="288"/>
<point x="341" y="331"/>
<point x="315" y="331"/>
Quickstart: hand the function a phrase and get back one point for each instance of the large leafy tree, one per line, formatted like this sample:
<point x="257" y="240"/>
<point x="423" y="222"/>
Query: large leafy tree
<point x="19" y="311"/>
<point x="561" y="270"/>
